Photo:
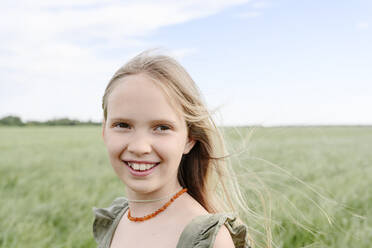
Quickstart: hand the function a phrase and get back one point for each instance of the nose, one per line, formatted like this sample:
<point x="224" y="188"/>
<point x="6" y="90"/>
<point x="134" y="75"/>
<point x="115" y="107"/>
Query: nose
<point x="139" y="144"/>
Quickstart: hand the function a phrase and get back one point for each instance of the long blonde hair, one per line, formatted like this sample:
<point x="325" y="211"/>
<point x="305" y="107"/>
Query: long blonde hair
<point x="205" y="170"/>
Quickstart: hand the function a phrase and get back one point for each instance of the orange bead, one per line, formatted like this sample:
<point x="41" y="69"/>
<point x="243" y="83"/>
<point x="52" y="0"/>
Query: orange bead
<point x="149" y="216"/>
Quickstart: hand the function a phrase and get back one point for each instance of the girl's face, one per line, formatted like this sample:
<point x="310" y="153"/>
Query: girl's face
<point x="144" y="130"/>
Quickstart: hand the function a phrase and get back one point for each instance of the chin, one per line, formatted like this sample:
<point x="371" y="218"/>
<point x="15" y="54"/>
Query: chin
<point x="140" y="187"/>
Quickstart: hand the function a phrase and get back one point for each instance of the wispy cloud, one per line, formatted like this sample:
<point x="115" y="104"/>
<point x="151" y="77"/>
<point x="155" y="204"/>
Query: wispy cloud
<point x="42" y="21"/>
<point x="74" y="44"/>
<point x="48" y="32"/>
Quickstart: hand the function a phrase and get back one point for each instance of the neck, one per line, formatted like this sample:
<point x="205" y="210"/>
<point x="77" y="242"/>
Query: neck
<point x="154" y="200"/>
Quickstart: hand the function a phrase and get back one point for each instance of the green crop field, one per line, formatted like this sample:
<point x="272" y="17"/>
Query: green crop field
<point x="318" y="180"/>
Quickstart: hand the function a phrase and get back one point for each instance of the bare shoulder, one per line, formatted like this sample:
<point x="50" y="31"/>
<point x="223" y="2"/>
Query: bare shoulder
<point x="223" y="239"/>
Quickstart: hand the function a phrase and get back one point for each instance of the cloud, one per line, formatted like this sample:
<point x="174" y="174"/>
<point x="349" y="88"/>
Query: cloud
<point x="43" y="21"/>
<point x="53" y="50"/>
<point x="48" y="32"/>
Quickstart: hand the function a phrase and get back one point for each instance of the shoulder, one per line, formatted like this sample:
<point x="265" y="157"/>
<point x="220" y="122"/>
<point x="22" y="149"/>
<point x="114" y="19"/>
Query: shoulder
<point x="223" y="239"/>
<point x="228" y="231"/>
<point x="105" y="217"/>
<point x="215" y="231"/>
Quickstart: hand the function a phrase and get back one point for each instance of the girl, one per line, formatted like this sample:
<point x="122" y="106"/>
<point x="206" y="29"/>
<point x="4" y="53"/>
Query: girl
<point x="164" y="146"/>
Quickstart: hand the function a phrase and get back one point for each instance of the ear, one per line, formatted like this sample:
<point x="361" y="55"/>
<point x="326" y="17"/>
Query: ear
<point x="103" y="129"/>
<point x="189" y="145"/>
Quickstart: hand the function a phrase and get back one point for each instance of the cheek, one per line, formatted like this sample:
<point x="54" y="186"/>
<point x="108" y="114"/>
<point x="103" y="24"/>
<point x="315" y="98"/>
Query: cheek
<point x="171" y="148"/>
<point x="114" y="145"/>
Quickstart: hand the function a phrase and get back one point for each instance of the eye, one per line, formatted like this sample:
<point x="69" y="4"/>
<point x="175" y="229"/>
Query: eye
<point x="121" y="125"/>
<point x="162" y="128"/>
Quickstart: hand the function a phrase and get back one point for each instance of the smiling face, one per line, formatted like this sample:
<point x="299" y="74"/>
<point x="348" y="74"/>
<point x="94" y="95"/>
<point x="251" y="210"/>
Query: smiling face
<point x="144" y="130"/>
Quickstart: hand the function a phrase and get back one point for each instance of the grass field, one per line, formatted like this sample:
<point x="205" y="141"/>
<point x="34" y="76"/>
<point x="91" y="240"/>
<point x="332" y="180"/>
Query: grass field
<point x="50" y="178"/>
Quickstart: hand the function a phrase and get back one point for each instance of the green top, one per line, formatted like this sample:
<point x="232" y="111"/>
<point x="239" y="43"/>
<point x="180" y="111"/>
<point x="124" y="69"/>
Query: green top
<point x="199" y="233"/>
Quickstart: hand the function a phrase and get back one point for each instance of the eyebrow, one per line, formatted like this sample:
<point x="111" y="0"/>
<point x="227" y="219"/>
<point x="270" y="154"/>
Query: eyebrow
<point x="169" y="122"/>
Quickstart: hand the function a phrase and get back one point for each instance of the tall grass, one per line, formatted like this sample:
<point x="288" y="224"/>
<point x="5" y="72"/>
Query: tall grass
<point x="50" y="178"/>
<point x="318" y="180"/>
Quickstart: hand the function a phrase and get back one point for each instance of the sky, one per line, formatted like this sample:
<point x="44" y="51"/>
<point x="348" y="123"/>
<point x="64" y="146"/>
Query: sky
<point x="257" y="62"/>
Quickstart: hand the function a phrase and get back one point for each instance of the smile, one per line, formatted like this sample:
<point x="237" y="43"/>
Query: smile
<point x="140" y="165"/>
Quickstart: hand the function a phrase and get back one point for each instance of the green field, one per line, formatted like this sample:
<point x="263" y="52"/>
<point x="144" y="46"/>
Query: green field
<point x="50" y="178"/>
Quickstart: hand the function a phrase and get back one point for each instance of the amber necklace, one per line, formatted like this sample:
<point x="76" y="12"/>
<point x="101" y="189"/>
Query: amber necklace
<point x="149" y="216"/>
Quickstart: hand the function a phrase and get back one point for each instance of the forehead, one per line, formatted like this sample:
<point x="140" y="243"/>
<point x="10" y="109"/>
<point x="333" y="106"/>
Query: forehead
<point x="139" y="97"/>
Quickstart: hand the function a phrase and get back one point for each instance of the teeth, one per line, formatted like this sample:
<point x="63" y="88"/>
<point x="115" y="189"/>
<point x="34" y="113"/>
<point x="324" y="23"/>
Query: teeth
<point x="141" y="167"/>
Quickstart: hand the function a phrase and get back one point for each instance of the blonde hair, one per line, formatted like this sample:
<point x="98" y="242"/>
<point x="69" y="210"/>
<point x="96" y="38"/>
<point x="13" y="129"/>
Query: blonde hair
<point x="205" y="170"/>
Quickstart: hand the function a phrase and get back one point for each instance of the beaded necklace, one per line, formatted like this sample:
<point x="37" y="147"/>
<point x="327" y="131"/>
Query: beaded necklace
<point x="149" y="216"/>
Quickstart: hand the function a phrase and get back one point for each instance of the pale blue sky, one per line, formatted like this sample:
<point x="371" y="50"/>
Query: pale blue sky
<point x="263" y="62"/>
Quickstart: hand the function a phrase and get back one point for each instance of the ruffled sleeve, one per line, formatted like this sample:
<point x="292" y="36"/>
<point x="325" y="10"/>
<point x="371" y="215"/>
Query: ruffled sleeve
<point x="202" y="231"/>
<point x="106" y="218"/>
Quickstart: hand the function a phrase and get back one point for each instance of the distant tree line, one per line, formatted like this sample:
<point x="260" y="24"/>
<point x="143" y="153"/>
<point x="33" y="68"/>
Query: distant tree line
<point x="16" y="121"/>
